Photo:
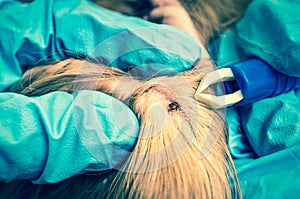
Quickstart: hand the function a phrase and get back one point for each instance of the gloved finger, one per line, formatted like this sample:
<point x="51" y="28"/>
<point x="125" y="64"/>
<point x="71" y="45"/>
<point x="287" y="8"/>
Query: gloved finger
<point x="55" y="136"/>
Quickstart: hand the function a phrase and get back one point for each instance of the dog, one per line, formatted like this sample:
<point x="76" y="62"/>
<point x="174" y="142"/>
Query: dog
<point x="181" y="150"/>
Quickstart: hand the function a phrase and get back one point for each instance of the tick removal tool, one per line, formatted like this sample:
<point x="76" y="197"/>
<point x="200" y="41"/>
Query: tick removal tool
<point x="245" y="82"/>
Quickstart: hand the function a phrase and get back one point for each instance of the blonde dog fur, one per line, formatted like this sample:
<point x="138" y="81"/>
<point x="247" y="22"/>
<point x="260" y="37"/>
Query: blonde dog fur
<point x="181" y="151"/>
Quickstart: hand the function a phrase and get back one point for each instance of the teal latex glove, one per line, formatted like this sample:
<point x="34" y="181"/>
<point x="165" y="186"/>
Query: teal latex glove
<point x="270" y="30"/>
<point x="58" y="29"/>
<point x="264" y="136"/>
<point x="272" y="125"/>
<point x="40" y="138"/>
<point x="50" y="138"/>
<point x="273" y="176"/>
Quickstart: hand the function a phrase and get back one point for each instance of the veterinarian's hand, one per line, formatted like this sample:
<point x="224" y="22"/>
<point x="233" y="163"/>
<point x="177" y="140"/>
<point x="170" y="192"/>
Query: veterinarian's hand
<point x="171" y="12"/>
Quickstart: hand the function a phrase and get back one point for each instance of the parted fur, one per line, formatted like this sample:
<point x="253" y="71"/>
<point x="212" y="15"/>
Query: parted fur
<point x="181" y="151"/>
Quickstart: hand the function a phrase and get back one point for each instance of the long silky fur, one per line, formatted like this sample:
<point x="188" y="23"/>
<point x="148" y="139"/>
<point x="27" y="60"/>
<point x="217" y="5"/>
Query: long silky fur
<point x="181" y="151"/>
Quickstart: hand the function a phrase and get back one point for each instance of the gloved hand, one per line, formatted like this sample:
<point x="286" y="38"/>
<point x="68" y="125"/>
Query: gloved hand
<point x="269" y="30"/>
<point x="49" y="138"/>
<point x="270" y="127"/>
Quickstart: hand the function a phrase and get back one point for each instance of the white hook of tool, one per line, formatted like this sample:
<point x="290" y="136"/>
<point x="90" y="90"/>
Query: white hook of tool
<point x="223" y="74"/>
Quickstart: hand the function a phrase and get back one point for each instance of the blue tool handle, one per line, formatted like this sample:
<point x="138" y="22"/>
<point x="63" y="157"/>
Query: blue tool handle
<point x="258" y="80"/>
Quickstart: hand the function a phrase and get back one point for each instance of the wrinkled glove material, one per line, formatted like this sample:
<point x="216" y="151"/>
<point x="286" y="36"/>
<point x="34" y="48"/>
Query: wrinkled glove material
<point x="50" y="138"/>
<point x="264" y="136"/>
